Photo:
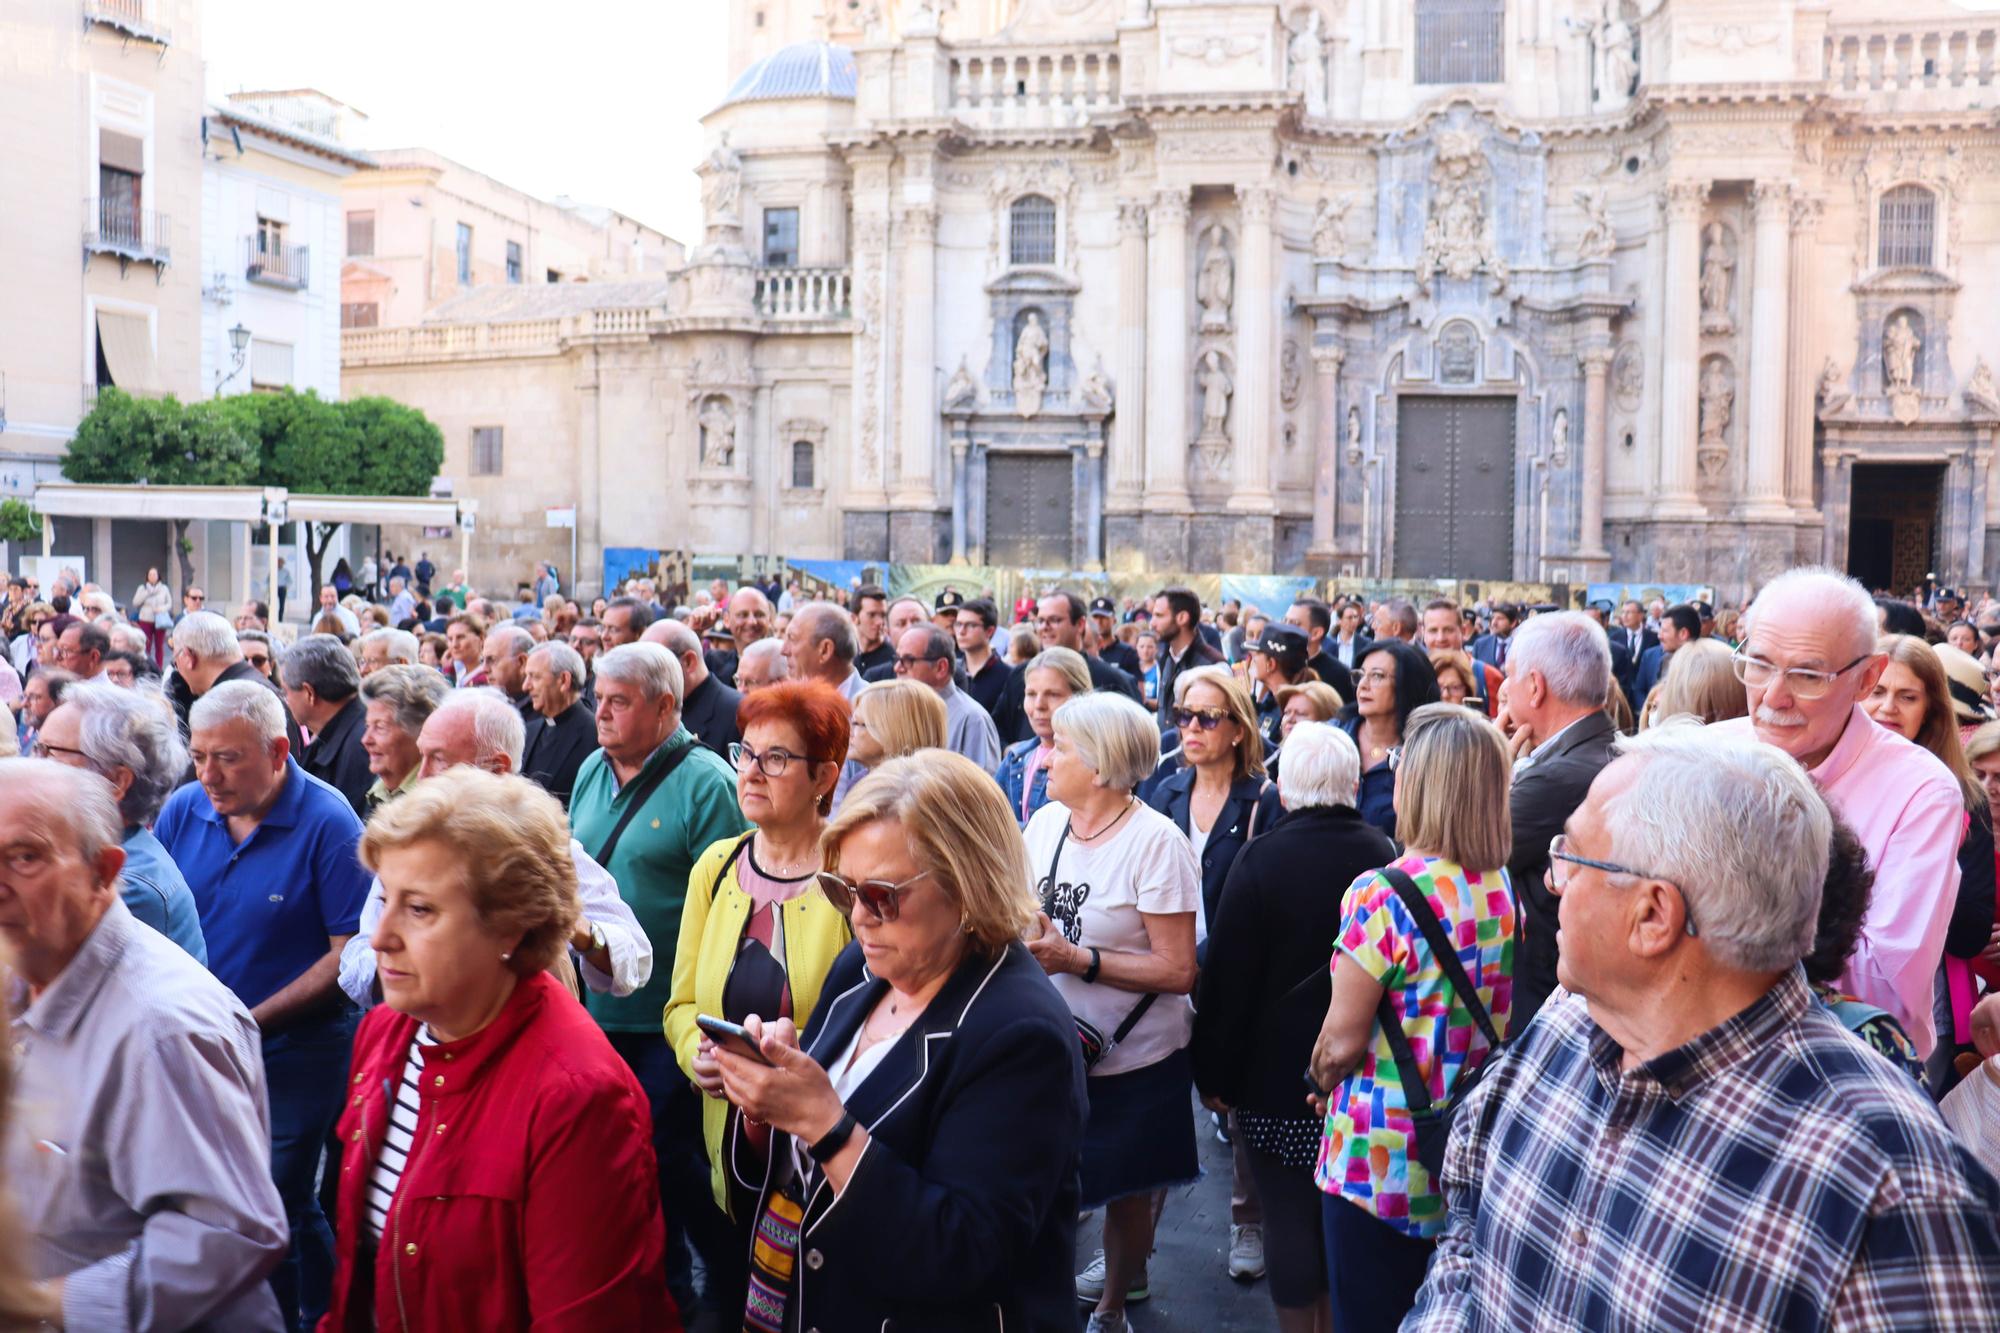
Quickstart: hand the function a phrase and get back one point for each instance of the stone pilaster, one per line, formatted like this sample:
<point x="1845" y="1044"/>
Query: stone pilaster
<point x="1128" y="427"/>
<point x="916" y="431"/>
<point x="1256" y="321"/>
<point x="1764" y="478"/>
<point x="1802" y="379"/>
<point x="1167" y="381"/>
<point x="1596" y="362"/>
<point x="1324" y="553"/>
<point x="1674" y="496"/>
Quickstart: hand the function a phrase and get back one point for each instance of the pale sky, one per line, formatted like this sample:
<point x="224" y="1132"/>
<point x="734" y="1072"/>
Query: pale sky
<point x="597" y="99"/>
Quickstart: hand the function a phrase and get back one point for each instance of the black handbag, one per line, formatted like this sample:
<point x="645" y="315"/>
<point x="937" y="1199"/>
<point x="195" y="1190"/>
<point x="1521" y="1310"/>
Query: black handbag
<point x="1430" y="1121"/>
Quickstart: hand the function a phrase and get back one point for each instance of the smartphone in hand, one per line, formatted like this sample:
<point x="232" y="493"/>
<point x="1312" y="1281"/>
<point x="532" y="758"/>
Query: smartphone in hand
<point x="734" y="1036"/>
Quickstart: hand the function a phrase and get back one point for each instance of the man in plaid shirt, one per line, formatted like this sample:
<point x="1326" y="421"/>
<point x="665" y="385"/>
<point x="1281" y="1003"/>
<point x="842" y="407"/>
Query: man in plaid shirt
<point x="1689" y="1140"/>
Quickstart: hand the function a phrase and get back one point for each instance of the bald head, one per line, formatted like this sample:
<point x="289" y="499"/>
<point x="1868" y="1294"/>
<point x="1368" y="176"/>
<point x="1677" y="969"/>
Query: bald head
<point x="684" y="644"/>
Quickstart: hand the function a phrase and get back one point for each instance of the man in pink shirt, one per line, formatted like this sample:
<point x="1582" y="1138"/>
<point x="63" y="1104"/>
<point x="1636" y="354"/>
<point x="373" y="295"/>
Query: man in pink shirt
<point x="1809" y="660"/>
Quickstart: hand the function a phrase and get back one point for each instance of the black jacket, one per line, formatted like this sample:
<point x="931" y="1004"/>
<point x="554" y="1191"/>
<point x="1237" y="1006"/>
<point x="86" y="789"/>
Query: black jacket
<point x="989" y="687"/>
<point x="1121" y="655"/>
<point x="1331" y="670"/>
<point x="1199" y="654"/>
<point x="1011" y="717"/>
<point x="1542" y="800"/>
<point x="961" y="1214"/>
<point x="182" y="697"/>
<point x="882" y="654"/>
<point x="710" y="713"/>
<point x="1265" y="986"/>
<point x="557" y="748"/>
<point x="1232" y="827"/>
<point x="336" y="758"/>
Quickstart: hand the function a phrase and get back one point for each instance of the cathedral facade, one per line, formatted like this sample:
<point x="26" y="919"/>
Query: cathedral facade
<point x="1546" y="290"/>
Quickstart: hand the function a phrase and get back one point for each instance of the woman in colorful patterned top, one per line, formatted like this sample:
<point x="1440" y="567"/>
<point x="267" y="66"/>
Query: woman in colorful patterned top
<point x="1382" y="1210"/>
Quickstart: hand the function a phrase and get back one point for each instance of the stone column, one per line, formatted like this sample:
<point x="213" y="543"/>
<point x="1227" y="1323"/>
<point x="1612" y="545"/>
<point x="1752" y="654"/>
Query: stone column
<point x="1680" y="359"/>
<point x="958" y="491"/>
<point x="1590" y="509"/>
<point x="1167" y="378"/>
<point x="1256" y="322"/>
<point x="1803" y="378"/>
<point x="1324" y="551"/>
<point x="1764" y="479"/>
<point x="1128" y="427"/>
<point x="916" y="431"/>
<point x="1836" y="489"/>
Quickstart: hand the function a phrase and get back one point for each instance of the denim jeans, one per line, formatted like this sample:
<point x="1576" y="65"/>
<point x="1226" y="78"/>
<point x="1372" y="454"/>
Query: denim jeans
<point x="686" y="1196"/>
<point x="305" y="1070"/>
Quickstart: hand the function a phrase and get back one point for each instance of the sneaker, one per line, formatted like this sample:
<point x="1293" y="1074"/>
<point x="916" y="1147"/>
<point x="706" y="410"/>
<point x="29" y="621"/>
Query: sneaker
<point x="1221" y="1128"/>
<point x="1246" y="1252"/>
<point x="1107" y="1322"/>
<point x="1090" y="1283"/>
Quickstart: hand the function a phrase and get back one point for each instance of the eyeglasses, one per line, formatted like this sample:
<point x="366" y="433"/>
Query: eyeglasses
<point x="771" y="763"/>
<point x="905" y="662"/>
<point x="1204" y="719"/>
<point x="1560" y="854"/>
<point x="1376" y="677"/>
<point x="883" y="900"/>
<point x="43" y="750"/>
<point x="1800" y="682"/>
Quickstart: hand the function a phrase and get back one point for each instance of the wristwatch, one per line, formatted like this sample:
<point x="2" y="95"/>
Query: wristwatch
<point x="834" y="1140"/>
<point x="597" y="941"/>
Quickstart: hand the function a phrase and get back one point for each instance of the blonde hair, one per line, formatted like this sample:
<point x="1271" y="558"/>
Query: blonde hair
<point x="1249" y="758"/>
<point x="1451" y="787"/>
<point x="1065" y="662"/>
<point x="1983" y="742"/>
<point x="1116" y="738"/>
<point x="958" y="826"/>
<point x="904" y="716"/>
<point x="513" y="847"/>
<point x="1701" y="683"/>
<point x="1939" y="732"/>
<point x="1447" y="659"/>
<point x="1325" y="699"/>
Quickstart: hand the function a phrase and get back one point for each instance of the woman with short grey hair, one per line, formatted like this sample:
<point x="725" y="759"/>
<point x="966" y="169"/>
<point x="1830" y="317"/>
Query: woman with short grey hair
<point x="399" y="699"/>
<point x="132" y="741"/>
<point x="1264" y="990"/>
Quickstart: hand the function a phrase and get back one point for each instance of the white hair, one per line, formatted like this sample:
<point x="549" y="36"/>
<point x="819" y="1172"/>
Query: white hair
<point x="1321" y="767"/>
<point x="401" y="644"/>
<point x="207" y="635"/>
<point x="86" y="801"/>
<point x="497" y="727"/>
<point x="1842" y="604"/>
<point x="563" y="660"/>
<point x="513" y="638"/>
<point x="240" y="700"/>
<point x="1570" y="650"/>
<point x="1739" y="827"/>
<point x="647" y="665"/>
<point x="120" y="728"/>
<point x="127" y="638"/>
<point x="771" y="654"/>
<point x="1117" y="739"/>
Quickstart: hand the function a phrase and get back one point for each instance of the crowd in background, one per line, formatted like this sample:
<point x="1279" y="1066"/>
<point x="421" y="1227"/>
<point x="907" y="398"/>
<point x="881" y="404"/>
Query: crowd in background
<point x="750" y="956"/>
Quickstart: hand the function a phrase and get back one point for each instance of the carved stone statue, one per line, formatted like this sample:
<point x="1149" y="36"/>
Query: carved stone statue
<point x="721" y="183"/>
<point x="1308" y="66"/>
<point x="1981" y="394"/>
<point x="1617" y="57"/>
<point x="1217" y="282"/>
<point x="1899" y="355"/>
<point x="1353" y="435"/>
<point x="1096" y="391"/>
<point x="1216" y="387"/>
<point x="1598" y="239"/>
<point x="1031" y="375"/>
<point x="1329" y="218"/>
<point x="1832" y="392"/>
<point x="1718" y="399"/>
<point x="1291" y="374"/>
<point x="1717" y="270"/>
<point x="1458" y="236"/>
<point x="962" y="391"/>
<point x="1559" y="438"/>
<point x="718" y="433"/>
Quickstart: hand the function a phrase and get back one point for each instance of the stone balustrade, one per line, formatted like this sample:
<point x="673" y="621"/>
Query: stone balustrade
<point x="1952" y="65"/>
<point x="804" y="293"/>
<point x="1032" y="87"/>
<point x="471" y="342"/>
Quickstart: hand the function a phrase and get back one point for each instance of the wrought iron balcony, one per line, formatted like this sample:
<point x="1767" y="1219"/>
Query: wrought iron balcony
<point x="114" y="227"/>
<point x="131" y="17"/>
<point x="276" y="264"/>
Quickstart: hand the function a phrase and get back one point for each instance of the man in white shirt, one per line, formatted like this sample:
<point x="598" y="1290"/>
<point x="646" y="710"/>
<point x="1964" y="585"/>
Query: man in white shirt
<point x="925" y="653"/>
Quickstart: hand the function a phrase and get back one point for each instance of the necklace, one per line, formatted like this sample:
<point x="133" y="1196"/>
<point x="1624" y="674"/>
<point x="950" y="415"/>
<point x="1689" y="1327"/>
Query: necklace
<point x="1131" y="804"/>
<point x="776" y="871"/>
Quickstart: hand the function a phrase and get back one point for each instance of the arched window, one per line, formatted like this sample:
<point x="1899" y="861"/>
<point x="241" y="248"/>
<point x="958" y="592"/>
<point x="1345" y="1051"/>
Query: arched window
<point x="1461" y="41"/>
<point x="802" y="465"/>
<point x="1031" y="230"/>
<point x="1906" y="228"/>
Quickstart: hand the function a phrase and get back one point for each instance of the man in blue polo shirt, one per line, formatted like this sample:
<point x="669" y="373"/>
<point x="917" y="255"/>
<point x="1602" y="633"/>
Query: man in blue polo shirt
<point x="269" y="853"/>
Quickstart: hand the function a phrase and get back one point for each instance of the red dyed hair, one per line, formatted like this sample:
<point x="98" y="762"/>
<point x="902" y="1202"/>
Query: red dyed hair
<point x="816" y="710"/>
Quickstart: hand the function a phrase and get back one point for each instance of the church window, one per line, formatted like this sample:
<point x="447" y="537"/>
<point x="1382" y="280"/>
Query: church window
<point x="486" y="444"/>
<point x="802" y="465"/>
<point x="1461" y="41"/>
<point x="1906" y="229"/>
<point x="781" y="237"/>
<point x="1031" y="230"/>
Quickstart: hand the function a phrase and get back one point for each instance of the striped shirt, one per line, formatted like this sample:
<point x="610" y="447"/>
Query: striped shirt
<point x="403" y="1115"/>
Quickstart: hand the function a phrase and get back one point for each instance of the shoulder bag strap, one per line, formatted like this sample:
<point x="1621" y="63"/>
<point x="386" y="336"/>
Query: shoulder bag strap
<point x="647" y="786"/>
<point x="1256" y="804"/>
<point x="1124" y="1029"/>
<point x="1441" y="947"/>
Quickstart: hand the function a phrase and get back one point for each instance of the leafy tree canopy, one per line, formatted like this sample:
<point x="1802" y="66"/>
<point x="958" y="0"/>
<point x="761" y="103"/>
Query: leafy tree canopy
<point x="125" y="440"/>
<point x="18" y="523"/>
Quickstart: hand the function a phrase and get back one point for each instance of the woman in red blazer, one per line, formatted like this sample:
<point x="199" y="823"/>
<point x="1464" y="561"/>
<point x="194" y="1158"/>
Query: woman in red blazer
<point x="498" y="1167"/>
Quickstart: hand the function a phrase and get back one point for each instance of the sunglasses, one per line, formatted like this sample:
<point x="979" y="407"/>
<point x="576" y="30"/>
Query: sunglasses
<point x="883" y="900"/>
<point x="1204" y="719"/>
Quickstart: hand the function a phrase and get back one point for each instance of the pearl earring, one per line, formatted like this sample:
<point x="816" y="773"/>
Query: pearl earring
<point x="506" y="957"/>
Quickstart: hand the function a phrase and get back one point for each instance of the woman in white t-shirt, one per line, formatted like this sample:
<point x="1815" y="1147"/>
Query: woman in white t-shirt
<point x="1119" y="886"/>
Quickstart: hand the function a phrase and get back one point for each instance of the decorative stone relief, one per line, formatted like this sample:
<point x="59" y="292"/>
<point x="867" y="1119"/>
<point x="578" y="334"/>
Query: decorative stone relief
<point x="1718" y="271"/>
<point x="1458" y="236"/>
<point x="718" y="432"/>
<point x="1217" y="282"/>
<point x="1353" y="436"/>
<point x="1598" y="239"/>
<point x="1458" y="354"/>
<point x="961" y="394"/>
<point x="1329" y="220"/>
<point x="1559" y="439"/>
<point x="1628" y="375"/>
<point x="1096" y="391"/>
<point x="1291" y="374"/>
<point x="1981" y="395"/>
<point x="1214" y="49"/>
<point x="1031" y="376"/>
<point x="1901" y="344"/>
<point x="1731" y="39"/>
<point x="1307" y="73"/>
<point x="1718" y="402"/>
<point x="1832" y="389"/>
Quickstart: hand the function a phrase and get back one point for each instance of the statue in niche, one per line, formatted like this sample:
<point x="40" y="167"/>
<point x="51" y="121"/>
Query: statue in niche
<point x="1217" y="282"/>
<point x="1980" y="391"/>
<point x="1308" y="57"/>
<point x="718" y="433"/>
<point x="1559" y="438"/>
<point x="1718" y="400"/>
<point x="721" y="183"/>
<point x="1096" y="390"/>
<point x="1900" y="344"/>
<point x="1291" y="374"/>
<point x="1832" y="393"/>
<point x="1216" y="386"/>
<point x="1329" y="219"/>
<point x="1353" y="435"/>
<point x="962" y="392"/>
<point x="1458" y="236"/>
<point x="1031" y="375"/>
<point x="1617" y="48"/>
<point x="1598" y="239"/>
<point x="1717" y="271"/>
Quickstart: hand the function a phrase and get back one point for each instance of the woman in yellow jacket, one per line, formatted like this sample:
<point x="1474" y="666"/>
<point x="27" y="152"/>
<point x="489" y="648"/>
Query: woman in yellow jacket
<point x="756" y="936"/>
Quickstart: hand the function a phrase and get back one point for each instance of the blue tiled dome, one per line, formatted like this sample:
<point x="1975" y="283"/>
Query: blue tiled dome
<point x="808" y="69"/>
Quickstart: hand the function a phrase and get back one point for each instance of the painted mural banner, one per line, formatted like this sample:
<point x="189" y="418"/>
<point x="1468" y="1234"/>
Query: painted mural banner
<point x="1645" y="594"/>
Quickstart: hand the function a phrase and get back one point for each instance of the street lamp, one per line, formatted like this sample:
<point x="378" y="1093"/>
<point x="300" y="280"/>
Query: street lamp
<point x="239" y="345"/>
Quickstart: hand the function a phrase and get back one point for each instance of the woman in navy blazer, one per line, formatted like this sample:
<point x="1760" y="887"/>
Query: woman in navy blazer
<point x="923" y="1172"/>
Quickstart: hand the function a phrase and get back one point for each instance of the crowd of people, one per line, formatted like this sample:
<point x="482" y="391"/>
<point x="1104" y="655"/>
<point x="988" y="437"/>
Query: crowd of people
<point x="744" y="957"/>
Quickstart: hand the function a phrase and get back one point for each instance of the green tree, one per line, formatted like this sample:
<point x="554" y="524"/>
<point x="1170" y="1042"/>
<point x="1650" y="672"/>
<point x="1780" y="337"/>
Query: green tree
<point x="19" y="523"/>
<point x="159" y="441"/>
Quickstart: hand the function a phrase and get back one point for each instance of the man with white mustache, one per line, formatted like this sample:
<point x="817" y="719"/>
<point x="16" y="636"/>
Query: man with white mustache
<point x="1809" y="659"/>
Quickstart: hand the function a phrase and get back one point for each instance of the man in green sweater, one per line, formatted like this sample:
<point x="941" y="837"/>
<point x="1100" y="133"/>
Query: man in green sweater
<point x="646" y="805"/>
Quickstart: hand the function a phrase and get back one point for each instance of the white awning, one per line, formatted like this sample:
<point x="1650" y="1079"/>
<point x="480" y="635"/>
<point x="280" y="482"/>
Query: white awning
<point x="229" y="504"/>
<point x="127" y="345"/>
<point x="414" y="510"/>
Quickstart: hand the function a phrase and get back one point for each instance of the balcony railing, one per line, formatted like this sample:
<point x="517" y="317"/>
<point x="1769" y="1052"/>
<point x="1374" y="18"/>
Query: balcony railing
<point x="1916" y="67"/>
<point x="131" y="17"/>
<point x="114" y="227"/>
<point x="803" y="293"/>
<point x="276" y="264"/>
<point x="1051" y="88"/>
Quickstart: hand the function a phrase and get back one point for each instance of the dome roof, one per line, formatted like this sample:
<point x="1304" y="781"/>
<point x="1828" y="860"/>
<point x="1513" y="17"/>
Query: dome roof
<point x="806" y="69"/>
